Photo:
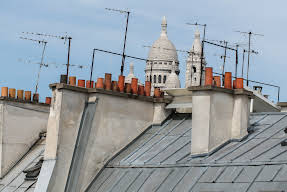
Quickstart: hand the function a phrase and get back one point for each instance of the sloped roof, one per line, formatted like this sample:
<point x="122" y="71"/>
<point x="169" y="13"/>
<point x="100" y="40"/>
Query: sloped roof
<point x="160" y="160"/>
<point x="15" y="179"/>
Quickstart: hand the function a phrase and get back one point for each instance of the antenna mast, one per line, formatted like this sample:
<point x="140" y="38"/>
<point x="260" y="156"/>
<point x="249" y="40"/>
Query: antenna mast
<point x="249" y="49"/>
<point x="42" y="58"/>
<point x="65" y="38"/>
<point x="125" y="39"/>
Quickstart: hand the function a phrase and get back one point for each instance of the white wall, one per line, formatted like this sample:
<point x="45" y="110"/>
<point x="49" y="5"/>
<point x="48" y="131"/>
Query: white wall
<point x="20" y="125"/>
<point x="117" y="121"/>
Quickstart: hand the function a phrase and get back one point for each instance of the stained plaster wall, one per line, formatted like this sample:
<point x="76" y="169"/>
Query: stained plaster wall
<point x="117" y="121"/>
<point x="20" y="125"/>
<point x="218" y="116"/>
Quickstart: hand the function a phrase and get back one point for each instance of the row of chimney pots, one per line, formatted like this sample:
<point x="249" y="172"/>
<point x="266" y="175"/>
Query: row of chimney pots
<point x="11" y="93"/>
<point x="116" y="86"/>
<point x="215" y="80"/>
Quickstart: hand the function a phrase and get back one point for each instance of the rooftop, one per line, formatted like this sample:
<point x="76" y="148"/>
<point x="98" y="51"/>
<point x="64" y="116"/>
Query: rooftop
<point x="159" y="160"/>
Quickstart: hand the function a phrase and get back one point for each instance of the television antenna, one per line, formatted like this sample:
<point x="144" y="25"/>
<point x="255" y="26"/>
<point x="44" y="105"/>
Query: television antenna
<point x="65" y="38"/>
<point x="44" y="43"/>
<point x="249" y="49"/>
<point x="125" y="38"/>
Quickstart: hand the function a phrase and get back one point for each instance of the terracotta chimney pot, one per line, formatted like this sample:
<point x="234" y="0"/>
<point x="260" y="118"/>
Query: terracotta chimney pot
<point x="48" y="100"/>
<point x="4" y="91"/>
<point x="128" y="87"/>
<point x="12" y="93"/>
<point x="147" y="88"/>
<point x="28" y="95"/>
<point x="100" y="83"/>
<point x="121" y="83"/>
<point x="134" y="86"/>
<point x="217" y="81"/>
<point x="239" y="83"/>
<point x="89" y="84"/>
<point x="208" y="76"/>
<point x="157" y="93"/>
<point x="140" y="90"/>
<point x="81" y="83"/>
<point x="108" y="81"/>
<point x="115" y="87"/>
<point x="227" y="80"/>
<point x="72" y="80"/>
<point x="20" y="94"/>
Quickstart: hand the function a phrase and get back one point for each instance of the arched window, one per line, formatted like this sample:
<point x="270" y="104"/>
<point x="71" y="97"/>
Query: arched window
<point x="154" y="79"/>
<point x="164" y="79"/>
<point x="159" y="79"/>
<point x="194" y="69"/>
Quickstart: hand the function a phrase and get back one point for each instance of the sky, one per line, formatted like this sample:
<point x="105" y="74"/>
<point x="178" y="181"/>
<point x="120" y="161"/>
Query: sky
<point x="92" y="26"/>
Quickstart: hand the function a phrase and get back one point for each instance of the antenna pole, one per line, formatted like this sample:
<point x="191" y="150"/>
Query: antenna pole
<point x="224" y="60"/>
<point x="92" y="67"/>
<point x="123" y="58"/>
<point x="249" y="39"/>
<point x="249" y="51"/>
<point x="242" y="62"/>
<point x="202" y="55"/>
<point x="41" y="64"/>
<point x="236" y="63"/>
<point x="68" y="63"/>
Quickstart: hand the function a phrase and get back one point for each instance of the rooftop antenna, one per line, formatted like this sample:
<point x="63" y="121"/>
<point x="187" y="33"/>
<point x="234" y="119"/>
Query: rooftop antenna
<point x="126" y="31"/>
<point x="44" y="43"/>
<point x="92" y="67"/>
<point x="202" y="47"/>
<point x="243" y="58"/>
<point x="65" y="38"/>
<point x="249" y="50"/>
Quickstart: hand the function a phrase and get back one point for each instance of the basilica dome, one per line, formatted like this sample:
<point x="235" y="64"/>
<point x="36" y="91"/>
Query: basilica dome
<point x="163" y="48"/>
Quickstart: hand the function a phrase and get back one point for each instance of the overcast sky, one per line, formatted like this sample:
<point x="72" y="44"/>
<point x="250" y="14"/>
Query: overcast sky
<point x="91" y="26"/>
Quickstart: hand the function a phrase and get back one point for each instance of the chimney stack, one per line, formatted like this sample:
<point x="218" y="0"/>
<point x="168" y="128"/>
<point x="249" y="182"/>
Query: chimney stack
<point x="219" y="115"/>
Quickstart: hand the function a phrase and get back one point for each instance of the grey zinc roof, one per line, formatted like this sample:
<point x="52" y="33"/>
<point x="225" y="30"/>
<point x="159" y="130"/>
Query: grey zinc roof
<point x="160" y="160"/>
<point x="15" y="178"/>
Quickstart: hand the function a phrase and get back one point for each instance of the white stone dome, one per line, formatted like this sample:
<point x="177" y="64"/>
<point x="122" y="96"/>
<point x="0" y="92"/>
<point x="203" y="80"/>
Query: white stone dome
<point x="172" y="80"/>
<point x="163" y="48"/>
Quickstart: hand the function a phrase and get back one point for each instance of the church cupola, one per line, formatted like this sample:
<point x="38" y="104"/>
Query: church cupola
<point x="160" y="59"/>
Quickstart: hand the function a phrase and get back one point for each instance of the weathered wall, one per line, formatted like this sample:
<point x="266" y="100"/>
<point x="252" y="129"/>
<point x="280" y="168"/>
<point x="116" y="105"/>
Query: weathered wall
<point x="64" y="121"/>
<point x="20" y="125"/>
<point x="117" y="121"/>
<point x="219" y="115"/>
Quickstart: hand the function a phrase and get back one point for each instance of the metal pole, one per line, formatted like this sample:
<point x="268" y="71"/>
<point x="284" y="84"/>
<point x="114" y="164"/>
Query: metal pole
<point x="202" y="55"/>
<point x="68" y="63"/>
<point x="248" y="56"/>
<point x="236" y="63"/>
<point x="92" y="67"/>
<point x="123" y="58"/>
<point x="242" y="63"/>
<point x="224" y="59"/>
<point x="41" y="64"/>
